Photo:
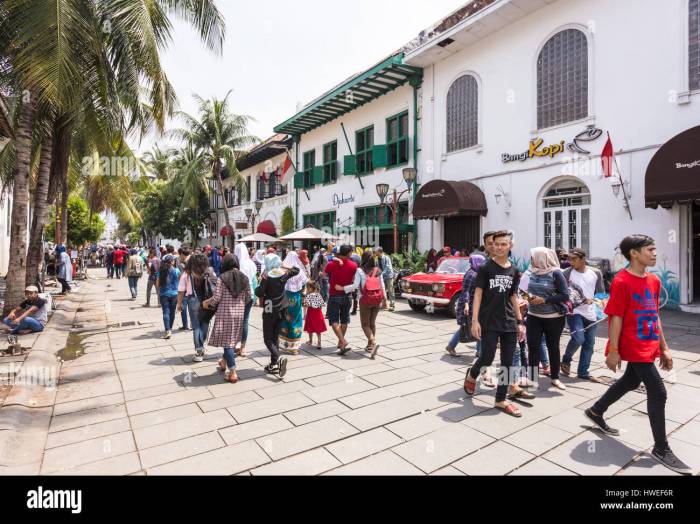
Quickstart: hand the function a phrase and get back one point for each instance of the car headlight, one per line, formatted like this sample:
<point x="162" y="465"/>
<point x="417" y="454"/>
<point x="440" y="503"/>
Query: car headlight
<point x="438" y="288"/>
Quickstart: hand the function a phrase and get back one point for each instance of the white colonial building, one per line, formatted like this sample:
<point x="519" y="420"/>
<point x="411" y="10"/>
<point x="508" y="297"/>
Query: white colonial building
<point x="518" y="99"/>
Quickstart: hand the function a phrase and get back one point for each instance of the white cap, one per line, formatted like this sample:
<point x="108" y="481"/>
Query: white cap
<point x="32" y="289"/>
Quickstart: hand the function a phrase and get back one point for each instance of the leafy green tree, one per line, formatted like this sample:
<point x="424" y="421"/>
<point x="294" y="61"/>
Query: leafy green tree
<point x="82" y="227"/>
<point x="287" y="221"/>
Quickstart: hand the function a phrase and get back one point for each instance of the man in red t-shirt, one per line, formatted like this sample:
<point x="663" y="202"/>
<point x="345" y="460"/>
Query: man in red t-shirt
<point x="119" y="255"/>
<point x="341" y="272"/>
<point x="636" y="336"/>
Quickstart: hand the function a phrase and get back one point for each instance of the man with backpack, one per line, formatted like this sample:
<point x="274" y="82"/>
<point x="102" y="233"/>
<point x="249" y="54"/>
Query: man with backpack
<point x="369" y="285"/>
<point x="134" y="271"/>
<point x="387" y="270"/>
<point x="585" y="282"/>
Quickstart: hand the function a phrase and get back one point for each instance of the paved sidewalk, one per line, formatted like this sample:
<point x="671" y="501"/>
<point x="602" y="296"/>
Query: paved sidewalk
<point x="134" y="403"/>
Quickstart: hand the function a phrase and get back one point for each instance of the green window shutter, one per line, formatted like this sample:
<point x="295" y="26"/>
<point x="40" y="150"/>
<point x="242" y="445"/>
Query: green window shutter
<point x="317" y="176"/>
<point x="298" y="180"/>
<point x="350" y="165"/>
<point x="379" y="156"/>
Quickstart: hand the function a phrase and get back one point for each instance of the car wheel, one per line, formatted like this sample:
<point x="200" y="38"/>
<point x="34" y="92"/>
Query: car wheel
<point x="415" y="306"/>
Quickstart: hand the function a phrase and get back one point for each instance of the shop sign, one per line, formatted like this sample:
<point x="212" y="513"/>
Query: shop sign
<point x="537" y="148"/>
<point x="339" y="200"/>
<point x="436" y="194"/>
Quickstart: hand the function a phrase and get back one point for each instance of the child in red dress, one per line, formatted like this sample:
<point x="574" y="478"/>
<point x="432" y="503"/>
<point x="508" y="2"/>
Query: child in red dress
<point x="315" y="323"/>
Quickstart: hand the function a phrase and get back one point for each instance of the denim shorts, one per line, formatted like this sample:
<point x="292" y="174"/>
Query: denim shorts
<point x="339" y="309"/>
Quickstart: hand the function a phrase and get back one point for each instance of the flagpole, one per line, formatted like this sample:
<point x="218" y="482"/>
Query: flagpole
<point x="624" y="191"/>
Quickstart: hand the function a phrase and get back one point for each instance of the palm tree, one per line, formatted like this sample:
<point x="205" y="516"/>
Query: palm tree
<point x="90" y="61"/>
<point x="159" y="163"/>
<point x="223" y="138"/>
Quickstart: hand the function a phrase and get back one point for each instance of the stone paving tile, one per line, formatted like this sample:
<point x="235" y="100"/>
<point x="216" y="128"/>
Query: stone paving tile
<point x="223" y="461"/>
<point x="303" y="438"/>
<point x="58" y="459"/>
<point x="312" y="462"/>
<point x="249" y="384"/>
<point x="140" y="394"/>
<point x="364" y="444"/>
<point x="417" y="425"/>
<point x="384" y="463"/>
<point x="179" y="429"/>
<point x="381" y="413"/>
<point x="538" y="438"/>
<point x="127" y="464"/>
<point x="405" y="362"/>
<point x="228" y="401"/>
<point x="269" y="406"/>
<point x="302" y="416"/>
<point x="395" y="376"/>
<point x="499" y="425"/>
<point x="436" y="397"/>
<point x="448" y="471"/>
<point x="499" y="458"/>
<point x="689" y="433"/>
<point x="646" y="465"/>
<point x="338" y="390"/>
<point x="592" y="453"/>
<point x="180" y="449"/>
<point x="101" y="429"/>
<point x="683" y="403"/>
<point x="164" y="415"/>
<point x="635" y="428"/>
<point x="87" y="404"/>
<point x="442" y="447"/>
<point x="255" y="429"/>
<point x="541" y="468"/>
<point x="283" y="388"/>
<point x="85" y="418"/>
<point x="179" y="398"/>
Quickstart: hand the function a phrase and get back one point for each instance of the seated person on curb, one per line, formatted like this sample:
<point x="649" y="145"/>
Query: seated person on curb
<point x="29" y="317"/>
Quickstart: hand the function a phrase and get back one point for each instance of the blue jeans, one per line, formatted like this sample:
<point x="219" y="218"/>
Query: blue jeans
<point x="133" y="286"/>
<point x="183" y="313"/>
<point x="28" y="323"/>
<point x="169" y="306"/>
<point x="246" y="318"/>
<point x="579" y="338"/>
<point x="324" y="288"/>
<point x="200" y="330"/>
<point x="230" y="358"/>
<point x="454" y="341"/>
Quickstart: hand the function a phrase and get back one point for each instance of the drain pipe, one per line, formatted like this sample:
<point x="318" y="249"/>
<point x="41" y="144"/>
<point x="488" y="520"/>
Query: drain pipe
<point x="416" y="81"/>
<point x="297" y="138"/>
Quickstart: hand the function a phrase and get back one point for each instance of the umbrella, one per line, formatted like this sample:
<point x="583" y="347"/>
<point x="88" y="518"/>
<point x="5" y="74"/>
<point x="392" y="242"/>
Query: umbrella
<point x="259" y="237"/>
<point x="309" y="233"/>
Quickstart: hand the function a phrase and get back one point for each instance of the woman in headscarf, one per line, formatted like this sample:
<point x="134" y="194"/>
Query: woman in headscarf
<point x="432" y="262"/>
<point x="547" y="293"/>
<point x="273" y="298"/>
<point x="214" y="260"/>
<point x="231" y="295"/>
<point x="259" y="260"/>
<point x="292" y="327"/>
<point x="64" y="265"/>
<point x="304" y="257"/>
<point x="248" y="268"/>
<point x="465" y="303"/>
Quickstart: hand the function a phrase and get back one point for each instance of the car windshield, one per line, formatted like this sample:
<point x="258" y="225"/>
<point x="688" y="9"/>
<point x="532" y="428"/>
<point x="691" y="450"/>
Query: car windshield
<point x="453" y="265"/>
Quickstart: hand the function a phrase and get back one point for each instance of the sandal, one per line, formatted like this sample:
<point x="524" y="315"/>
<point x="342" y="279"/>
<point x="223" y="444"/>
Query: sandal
<point x="469" y="387"/>
<point x="344" y="349"/>
<point x="510" y="409"/>
<point x="221" y="365"/>
<point x="232" y="377"/>
<point x="373" y="354"/>
<point x="521" y="394"/>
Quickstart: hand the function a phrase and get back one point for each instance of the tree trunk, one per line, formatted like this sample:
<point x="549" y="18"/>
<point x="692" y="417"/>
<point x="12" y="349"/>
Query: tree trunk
<point x="227" y="218"/>
<point x="59" y="170"/>
<point x="41" y="207"/>
<point x="17" y="270"/>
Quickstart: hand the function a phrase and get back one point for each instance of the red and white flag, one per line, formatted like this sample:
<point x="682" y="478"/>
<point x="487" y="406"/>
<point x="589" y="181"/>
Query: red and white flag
<point x="285" y="167"/>
<point x="608" y="158"/>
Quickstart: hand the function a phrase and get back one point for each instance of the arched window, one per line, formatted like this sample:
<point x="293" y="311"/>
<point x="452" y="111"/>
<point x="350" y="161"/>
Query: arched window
<point x="567" y="216"/>
<point x="562" y="79"/>
<point x="463" y="114"/>
<point x="694" y="44"/>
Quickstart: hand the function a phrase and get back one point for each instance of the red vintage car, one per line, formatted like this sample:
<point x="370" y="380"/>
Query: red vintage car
<point x="441" y="289"/>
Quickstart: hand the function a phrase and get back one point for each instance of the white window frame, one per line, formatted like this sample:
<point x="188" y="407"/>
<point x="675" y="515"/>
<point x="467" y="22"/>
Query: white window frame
<point x="685" y="95"/>
<point x="479" y="146"/>
<point x="542" y="211"/>
<point x="590" y="119"/>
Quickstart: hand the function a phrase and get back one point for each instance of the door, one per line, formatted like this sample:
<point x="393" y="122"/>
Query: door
<point x="461" y="232"/>
<point x="696" y="252"/>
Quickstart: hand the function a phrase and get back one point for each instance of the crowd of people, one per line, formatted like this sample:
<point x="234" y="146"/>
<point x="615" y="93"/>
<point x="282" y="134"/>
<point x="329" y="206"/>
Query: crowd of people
<point x="499" y="308"/>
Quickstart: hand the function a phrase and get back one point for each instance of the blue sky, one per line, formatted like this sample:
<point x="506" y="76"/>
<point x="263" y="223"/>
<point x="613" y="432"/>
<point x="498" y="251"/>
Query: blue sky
<point x="278" y="53"/>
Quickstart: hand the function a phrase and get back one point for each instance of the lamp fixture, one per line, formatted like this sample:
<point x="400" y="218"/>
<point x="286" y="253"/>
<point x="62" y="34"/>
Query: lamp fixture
<point x="382" y="191"/>
<point x="258" y="205"/>
<point x="248" y="213"/>
<point x="409" y="176"/>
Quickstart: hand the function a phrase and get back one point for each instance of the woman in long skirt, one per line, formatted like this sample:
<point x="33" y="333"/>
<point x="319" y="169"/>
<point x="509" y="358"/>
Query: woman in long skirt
<point x="293" y="323"/>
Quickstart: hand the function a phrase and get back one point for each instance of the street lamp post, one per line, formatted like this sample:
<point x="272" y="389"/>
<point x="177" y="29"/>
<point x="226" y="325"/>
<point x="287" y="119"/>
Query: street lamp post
<point x="252" y="216"/>
<point x="409" y="175"/>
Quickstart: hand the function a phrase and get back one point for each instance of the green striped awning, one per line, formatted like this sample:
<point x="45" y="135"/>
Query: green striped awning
<point x="351" y="94"/>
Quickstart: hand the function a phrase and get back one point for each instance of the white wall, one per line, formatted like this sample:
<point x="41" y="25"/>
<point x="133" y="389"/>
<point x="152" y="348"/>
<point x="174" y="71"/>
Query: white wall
<point x="5" y="212"/>
<point x="638" y="59"/>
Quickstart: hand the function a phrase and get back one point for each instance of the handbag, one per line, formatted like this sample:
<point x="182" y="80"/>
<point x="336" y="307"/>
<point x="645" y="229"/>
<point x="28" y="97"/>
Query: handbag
<point x="465" y="334"/>
<point x="205" y="315"/>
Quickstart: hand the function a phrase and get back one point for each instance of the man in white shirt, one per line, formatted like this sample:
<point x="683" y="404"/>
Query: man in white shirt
<point x="582" y="323"/>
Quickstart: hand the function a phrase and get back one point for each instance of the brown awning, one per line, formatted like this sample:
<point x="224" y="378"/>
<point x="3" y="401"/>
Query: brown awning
<point x="673" y="174"/>
<point x="442" y="198"/>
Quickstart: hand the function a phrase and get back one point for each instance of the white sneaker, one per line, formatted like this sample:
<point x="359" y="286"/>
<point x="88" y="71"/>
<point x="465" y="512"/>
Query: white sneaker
<point x="168" y="334"/>
<point x="558" y="384"/>
<point x="198" y="356"/>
